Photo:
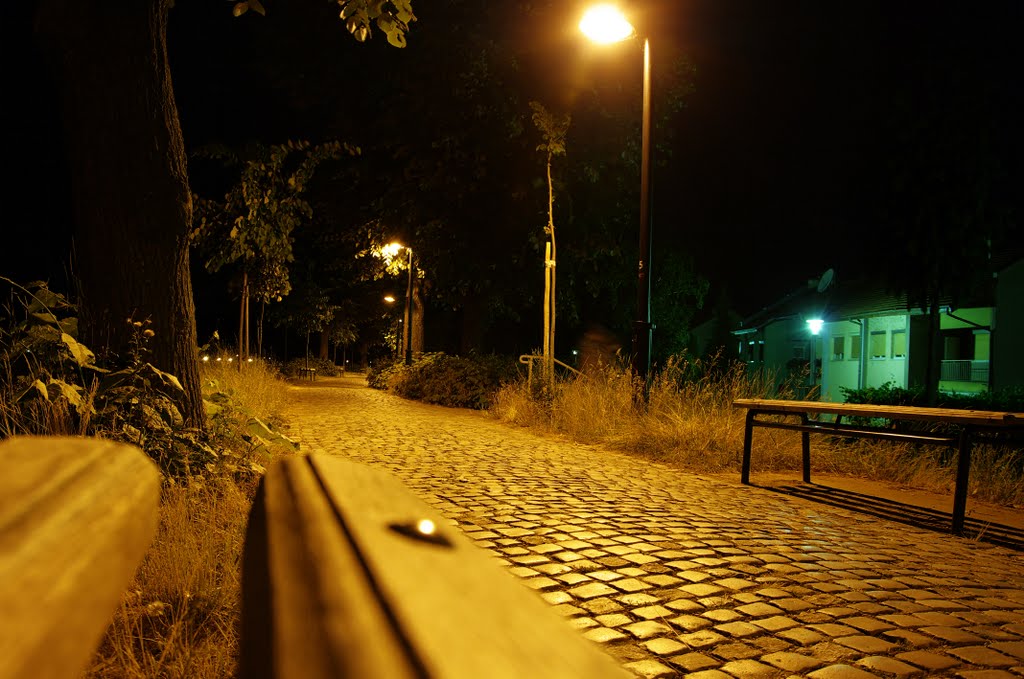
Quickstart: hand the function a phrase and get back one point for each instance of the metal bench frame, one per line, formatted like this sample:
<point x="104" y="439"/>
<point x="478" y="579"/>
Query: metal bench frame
<point x="970" y="425"/>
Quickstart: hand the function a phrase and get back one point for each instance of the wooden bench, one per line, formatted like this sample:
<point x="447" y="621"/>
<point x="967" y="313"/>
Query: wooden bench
<point x="967" y="425"/>
<point x="345" y="574"/>
<point x="76" y="518"/>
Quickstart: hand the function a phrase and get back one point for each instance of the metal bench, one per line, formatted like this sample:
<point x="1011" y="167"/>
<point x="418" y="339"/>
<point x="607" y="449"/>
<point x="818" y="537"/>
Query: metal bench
<point x="967" y="425"/>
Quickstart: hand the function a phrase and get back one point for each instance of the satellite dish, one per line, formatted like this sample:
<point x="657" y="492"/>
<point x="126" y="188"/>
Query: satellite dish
<point x="826" y="280"/>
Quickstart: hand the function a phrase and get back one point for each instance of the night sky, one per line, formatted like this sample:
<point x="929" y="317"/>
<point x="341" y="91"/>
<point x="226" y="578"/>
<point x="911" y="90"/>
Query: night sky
<point x="771" y="179"/>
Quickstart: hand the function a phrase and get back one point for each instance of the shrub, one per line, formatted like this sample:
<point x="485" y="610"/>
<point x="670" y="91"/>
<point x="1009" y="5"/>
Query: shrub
<point x="324" y="367"/>
<point x="455" y="381"/>
<point x="1008" y="399"/>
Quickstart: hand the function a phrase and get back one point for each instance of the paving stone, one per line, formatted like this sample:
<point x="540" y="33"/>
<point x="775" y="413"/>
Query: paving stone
<point x="889" y="666"/>
<point x="909" y="638"/>
<point x="1014" y="648"/>
<point x="757" y="610"/>
<point x="614" y="619"/>
<point x="690" y="623"/>
<point x="735" y="583"/>
<point x="649" y="668"/>
<point x="797" y="663"/>
<point x="647" y="629"/>
<point x="980" y="655"/>
<point x="866" y="644"/>
<point x="739" y="629"/>
<point x="592" y="590"/>
<point x="603" y="635"/>
<point x="952" y="635"/>
<point x="865" y="624"/>
<point x="652" y="612"/>
<point x="736" y="651"/>
<point x="605" y="576"/>
<point x="928" y="660"/>
<point x="986" y="674"/>
<point x="684" y="605"/>
<point x="701" y="638"/>
<point x="832" y="629"/>
<point x="701" y="589"/>
<point x="583" y="623"/>
<point x="748" y="668"/>
<point x="694" y="662"/>
<point x="629" y="585"/>
<point x="841" y="672"/>
<point x="802" y="636"/>
<point x="638" y="599"/>
<point x="776" y="623"/>
<point x="722" y="615"/>
<point x="601" y="605"/>
<point x="709" y="674"/>
<point x="664" y="646"/>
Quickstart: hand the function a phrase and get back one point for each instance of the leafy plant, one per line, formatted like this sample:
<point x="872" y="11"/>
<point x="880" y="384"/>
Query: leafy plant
<point x="52" y="383"/>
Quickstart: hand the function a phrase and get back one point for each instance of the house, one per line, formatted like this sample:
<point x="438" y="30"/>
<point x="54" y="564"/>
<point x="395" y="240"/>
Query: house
<point x="856" y="335"/>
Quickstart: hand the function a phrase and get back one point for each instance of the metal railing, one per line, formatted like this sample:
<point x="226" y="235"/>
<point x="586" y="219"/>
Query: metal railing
<point x="529" y="359"/>
<point x="964" y="371"/>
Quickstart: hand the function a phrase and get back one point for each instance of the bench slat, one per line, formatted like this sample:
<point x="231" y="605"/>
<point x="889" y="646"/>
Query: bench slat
<point x="446" y="611"/>
<point x="951" y="415"/>
<point x="76" y="517"/>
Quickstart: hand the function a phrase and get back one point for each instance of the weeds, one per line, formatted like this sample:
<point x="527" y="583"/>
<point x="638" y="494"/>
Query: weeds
<point x="689" y="422"/>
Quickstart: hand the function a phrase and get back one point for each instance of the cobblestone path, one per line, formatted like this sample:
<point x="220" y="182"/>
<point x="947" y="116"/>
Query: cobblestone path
<point x="679" y="575"/>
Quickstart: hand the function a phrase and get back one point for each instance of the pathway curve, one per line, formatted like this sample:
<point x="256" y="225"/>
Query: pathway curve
<point x="675" y="574"/>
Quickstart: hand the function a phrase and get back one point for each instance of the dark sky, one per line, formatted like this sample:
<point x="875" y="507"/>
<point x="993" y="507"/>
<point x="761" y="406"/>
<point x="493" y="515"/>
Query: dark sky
<point x="770" y="181"/>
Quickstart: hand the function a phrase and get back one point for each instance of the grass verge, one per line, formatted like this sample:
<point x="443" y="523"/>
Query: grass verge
<point x="179" y="617"/>
<point x="689" y="422"/>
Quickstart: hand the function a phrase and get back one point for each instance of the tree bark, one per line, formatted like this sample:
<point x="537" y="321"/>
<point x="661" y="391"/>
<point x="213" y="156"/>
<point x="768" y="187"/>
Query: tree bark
<point x="325" y="337"/>
<point x="131" y="200"/>
<point x="417" y="317"/>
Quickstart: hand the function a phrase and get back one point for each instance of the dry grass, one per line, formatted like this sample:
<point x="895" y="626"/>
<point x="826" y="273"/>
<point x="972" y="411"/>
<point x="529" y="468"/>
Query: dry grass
<point x="179" y="617"/>
<point x="690" y="423"/>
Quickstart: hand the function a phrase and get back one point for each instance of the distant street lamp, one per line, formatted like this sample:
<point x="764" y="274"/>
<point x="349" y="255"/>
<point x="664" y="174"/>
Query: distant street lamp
<point x="407" y="330"/>
<point x="605" y="24"/>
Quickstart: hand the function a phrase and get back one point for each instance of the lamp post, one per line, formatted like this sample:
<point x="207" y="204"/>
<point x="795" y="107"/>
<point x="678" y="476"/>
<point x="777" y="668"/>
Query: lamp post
<point x="605" y="24"/>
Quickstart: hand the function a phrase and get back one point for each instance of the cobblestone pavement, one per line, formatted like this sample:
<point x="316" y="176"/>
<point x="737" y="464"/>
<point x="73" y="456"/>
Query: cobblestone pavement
<point x="679" y="575"/>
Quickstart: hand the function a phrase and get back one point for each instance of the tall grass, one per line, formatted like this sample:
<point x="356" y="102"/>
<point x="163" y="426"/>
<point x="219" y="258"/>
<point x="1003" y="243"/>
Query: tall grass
<point x="689" y="422"/>
<point x="179" y="617"/>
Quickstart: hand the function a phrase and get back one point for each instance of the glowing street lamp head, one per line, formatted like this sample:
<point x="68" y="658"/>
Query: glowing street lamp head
<point x="390" y="299"/>
<point x="391" y="249"/>
<point x="814" y="325"/>
<point x="605" y="24"/>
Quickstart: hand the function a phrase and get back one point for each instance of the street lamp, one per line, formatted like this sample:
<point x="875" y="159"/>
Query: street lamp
<point x="407" y="330"/>
<point x="605" y="24"/>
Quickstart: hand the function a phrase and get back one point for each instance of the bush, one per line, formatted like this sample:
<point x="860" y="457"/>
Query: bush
<point x="1010" y="399"/>
<point x="454" y="381"/>
<point x="324" y="367"/>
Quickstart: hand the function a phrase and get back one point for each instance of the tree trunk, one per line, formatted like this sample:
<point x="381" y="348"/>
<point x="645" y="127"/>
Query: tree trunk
<point x="131" y="200"/>
<point x="418" y="341"/>
<point x="324" y="344"/>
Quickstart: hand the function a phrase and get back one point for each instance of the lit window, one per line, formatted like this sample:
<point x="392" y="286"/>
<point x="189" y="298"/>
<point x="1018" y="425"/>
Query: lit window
<point x="877" y="348"/>
<point x="899" y="343"/>
<point x="838" y="347"/>
<point x="854" y="347"/>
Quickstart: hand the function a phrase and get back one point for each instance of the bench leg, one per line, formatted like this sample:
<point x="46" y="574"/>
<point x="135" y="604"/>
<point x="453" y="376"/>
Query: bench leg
<point x="747" y="440"/>
<point x="805" y="443"/>
<point x="963" y="472"/>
